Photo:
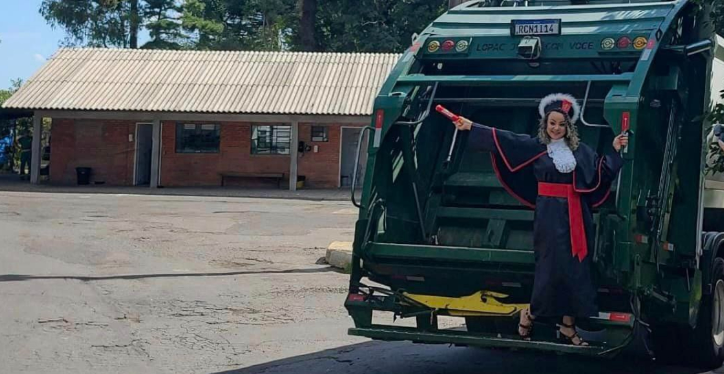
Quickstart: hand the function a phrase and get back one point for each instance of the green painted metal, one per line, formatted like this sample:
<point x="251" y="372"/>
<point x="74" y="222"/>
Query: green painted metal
<point x="475" y="213"/>
<point x="435" y="219"/>
<point x="582" y="46"/>
<point x="462" y="255"/>
<point x="513" y="79"/>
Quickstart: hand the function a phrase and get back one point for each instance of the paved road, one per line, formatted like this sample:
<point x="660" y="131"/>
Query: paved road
<point x="163" y="284"/>
<point x="408" y="358"/>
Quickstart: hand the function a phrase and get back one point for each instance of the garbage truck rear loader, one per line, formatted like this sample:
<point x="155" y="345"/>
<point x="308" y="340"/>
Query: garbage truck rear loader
<point x="438" y="236"/>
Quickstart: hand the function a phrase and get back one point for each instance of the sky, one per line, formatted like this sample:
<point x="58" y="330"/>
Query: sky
<point x="26" y="40"/>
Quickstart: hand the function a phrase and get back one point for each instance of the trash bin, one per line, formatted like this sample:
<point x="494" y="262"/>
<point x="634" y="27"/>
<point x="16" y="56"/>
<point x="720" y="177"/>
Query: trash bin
<point x="83" y="175"/>
<point x="300" y="181"/>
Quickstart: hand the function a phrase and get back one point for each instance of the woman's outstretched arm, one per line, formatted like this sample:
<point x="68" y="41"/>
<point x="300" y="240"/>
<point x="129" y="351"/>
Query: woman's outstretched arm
<point x="483" y="138"/>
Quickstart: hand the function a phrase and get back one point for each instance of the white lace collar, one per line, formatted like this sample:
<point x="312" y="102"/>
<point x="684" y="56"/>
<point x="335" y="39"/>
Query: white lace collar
<point x="562" y="156"/>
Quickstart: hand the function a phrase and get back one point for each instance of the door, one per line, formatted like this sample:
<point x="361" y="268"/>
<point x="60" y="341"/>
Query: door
<point x="350" y="138"/>
<point x="144" y="143"/>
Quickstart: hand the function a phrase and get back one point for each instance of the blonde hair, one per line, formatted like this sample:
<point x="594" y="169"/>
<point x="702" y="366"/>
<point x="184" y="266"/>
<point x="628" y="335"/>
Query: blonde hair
<point x="571" y="137"/>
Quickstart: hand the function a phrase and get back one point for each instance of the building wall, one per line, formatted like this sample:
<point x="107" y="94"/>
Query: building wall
<point x="104" y="146"/>
<point x="321" y="169"/>
<point x="199" y="169"/>
<point x="101" y="145"/>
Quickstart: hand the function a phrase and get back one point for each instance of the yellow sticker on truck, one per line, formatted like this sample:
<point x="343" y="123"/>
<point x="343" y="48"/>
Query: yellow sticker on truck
<point x="481" y="303"/>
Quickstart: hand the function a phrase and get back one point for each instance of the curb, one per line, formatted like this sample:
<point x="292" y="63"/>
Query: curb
<point x="132" y="191"/>
<point x="339" y="255"/>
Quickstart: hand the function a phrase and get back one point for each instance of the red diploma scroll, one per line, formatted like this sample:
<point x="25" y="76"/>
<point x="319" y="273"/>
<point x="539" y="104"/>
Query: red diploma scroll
<point x="450" y="115"/>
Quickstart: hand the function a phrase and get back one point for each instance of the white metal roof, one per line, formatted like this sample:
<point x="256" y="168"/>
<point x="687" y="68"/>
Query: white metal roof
<point x="206" y="82"/>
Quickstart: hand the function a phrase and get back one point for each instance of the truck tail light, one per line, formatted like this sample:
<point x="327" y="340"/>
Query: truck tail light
<point x="625" y="121"/>
<point x="379" y="118"/>
<point x="623" y="42"/>
<point x="640" y="43"/>
<point x="619" y="317"/>
<point x="355" y="298"/>
<point x="615" y="317"/>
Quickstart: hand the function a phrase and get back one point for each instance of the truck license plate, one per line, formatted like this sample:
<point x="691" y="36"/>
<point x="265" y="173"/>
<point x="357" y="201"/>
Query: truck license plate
<point x="536" y="27"/>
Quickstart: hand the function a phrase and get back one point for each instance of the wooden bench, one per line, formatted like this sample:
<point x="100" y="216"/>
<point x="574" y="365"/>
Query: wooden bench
<point x="233" y="174"/>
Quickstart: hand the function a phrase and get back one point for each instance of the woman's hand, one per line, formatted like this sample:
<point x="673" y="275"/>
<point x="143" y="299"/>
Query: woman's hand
<point x="463" y="124"/>
<point x="620" y="142"/>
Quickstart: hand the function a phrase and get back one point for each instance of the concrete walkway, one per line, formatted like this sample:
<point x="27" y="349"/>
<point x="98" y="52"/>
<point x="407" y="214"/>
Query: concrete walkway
<point x="12" y="182"/>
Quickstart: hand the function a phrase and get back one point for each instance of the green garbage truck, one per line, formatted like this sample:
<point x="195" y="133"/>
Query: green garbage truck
<point x="443" y="254"/>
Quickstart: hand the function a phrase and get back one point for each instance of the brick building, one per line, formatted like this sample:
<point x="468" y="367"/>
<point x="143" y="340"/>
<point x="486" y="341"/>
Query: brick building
<point x="188" y="118"/>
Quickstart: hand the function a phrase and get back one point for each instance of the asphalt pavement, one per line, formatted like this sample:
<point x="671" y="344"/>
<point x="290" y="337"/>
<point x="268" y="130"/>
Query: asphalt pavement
<point x="125" y="283"/>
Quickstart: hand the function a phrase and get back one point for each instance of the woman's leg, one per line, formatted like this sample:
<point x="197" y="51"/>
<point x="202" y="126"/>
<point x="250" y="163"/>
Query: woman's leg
<point x="525" y="325"/>
<point x="568" y="329"/>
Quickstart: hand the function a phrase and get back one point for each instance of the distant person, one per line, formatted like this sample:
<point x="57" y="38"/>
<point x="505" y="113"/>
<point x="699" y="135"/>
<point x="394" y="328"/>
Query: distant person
<point x="26" y="151"/>
<point x="5" y="146"/>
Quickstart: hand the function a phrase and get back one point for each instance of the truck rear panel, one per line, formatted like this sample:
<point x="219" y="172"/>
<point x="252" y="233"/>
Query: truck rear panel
<point x="435" y="220"/>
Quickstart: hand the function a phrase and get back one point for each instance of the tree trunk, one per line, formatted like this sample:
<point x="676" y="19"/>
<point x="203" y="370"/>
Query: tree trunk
<point x="306" y="30"/>
<point x="122" y="18"/>
<point x="134" y="24"/>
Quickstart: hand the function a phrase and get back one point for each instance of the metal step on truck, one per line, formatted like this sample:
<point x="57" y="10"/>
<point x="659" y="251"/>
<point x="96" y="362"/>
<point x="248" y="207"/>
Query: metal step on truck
<point x="438" y="237"/>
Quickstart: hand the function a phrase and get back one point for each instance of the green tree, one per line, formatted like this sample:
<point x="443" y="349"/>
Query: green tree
<point x="117" y="23"/>
<point x="238" y="24"/>
<point x="207" y="19"/>
<point x="271" y="22"/>
<point x="19" y="126"/>
<point x="716" y="163"/>
<point x="372" y="25"/>
<point x="308" y="25"/>
<point x="95" y="23"/>
<point x="14" y="87"/>
<point x="716" y="114"/>
<point x="163" y="21"/>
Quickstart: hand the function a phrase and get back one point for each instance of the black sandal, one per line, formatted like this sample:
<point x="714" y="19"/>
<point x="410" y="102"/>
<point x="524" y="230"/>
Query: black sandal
<point x="527" y="328"/>
<point x="571" y="339"/>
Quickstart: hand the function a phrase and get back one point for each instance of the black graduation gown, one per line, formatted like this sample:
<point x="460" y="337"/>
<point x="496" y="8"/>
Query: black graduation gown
<point x="563" y="284"/>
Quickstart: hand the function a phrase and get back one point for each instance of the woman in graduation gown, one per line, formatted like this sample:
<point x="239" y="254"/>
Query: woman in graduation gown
<point x="563" y="180"/>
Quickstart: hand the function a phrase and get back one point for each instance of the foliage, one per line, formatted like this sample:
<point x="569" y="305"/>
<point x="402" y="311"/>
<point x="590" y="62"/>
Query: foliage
<point x="162" y="19"/>
<point x="715" y="162"/>
<point x="373" y="25"/>
<point x="116" y="23"/>
<point x="258" y="25"/>
<point x="93" y="23"/>
<point x="328" y="25"/>
<point x="6" y="93"/>
<point x="21" y="125"/>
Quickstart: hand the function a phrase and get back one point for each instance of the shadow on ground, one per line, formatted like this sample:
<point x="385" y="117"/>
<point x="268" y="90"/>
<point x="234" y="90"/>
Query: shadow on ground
<point x="408" y="358"/>
<point x="22" y="277"/>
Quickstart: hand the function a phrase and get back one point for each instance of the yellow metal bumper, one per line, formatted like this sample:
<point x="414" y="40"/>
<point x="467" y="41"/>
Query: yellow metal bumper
<point x="479" y="304"/>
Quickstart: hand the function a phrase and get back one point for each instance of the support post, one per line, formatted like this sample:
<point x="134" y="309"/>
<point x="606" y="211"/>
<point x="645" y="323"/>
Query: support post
<point x="155" y="153"/>
<point x="293" y="152"/>
<point x="36" y="150"/>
